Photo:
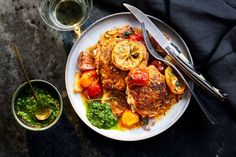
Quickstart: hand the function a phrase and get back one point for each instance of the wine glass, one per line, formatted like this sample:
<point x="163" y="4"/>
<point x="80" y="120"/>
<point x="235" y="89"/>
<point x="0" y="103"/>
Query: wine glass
<point x="65" y="15"/>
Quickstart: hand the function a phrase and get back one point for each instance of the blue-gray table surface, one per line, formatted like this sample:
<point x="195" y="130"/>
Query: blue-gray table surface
<point x="45" y="54"/>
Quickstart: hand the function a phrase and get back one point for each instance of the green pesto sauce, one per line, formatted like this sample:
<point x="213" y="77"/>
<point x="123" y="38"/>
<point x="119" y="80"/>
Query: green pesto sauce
<point x="26" y="105"/>
<point x="101" y="116"/>
<point x="117" y="127"/>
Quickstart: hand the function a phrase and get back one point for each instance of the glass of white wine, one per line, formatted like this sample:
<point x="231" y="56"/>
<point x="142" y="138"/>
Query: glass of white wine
<point x="65" y="15"/>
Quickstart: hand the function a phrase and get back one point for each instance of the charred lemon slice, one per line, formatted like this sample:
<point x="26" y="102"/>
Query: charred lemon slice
<point x="128" y="54"/>
<point x="175" y="84"/>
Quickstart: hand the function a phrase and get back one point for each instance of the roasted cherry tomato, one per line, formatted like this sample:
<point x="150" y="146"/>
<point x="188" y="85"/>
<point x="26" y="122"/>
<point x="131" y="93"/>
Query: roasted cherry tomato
<point x="175" y="84"/>
<point x="129" y="118"/>
<point x="88" y="77"/>
<point x="159" y="65"/>
<point x="94" y="90"/>
<point x="138" y="76"/>
<point x="137" y="37"/>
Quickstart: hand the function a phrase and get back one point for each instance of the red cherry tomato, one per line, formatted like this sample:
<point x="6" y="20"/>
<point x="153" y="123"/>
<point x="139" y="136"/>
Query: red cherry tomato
<point x="159" y="65"/>
<point x="137" y="37"/>
<point x="93" y="91"/>
<point x="138" y="77"/>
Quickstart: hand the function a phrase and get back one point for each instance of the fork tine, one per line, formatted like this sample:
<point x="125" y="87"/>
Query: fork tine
<point x="156" y="55"/>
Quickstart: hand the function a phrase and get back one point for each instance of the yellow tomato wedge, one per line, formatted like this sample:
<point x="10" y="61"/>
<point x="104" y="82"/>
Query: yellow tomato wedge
<point x="77" y="87"/>
<point x="87" y="78"/>
<point x="175" y="84"/>
<point x="128" y="54"/>
<point x="129" y="118"/>
<point x="85" y="81"/>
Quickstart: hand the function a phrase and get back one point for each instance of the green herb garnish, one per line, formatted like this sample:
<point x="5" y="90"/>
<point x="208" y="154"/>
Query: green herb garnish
<point x="145" y="121"/>
<point x="100" y="115"/>
<point x="127" y="34"/>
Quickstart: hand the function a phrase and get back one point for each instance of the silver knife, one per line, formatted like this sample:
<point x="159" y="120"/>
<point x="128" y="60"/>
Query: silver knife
<point x="175" y="53"/>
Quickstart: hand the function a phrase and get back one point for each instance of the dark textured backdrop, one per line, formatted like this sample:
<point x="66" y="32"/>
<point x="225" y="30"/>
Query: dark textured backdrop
<point x="207" y="26"/>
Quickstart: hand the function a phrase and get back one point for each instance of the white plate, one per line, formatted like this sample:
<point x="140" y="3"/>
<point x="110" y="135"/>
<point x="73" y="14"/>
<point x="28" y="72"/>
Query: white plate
<point x="89" y="38"/>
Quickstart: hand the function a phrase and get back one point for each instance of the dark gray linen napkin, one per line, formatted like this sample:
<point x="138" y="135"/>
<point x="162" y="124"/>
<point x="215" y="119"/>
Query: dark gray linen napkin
<point x="208" y="28"/>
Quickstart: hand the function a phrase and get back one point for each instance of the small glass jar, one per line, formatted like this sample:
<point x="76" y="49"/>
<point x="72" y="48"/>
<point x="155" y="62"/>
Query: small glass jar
<point x="65" y="15"/>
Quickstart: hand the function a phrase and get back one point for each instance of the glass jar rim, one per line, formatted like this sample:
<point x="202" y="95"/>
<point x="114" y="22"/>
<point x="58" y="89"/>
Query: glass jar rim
<point x="64" y="27"/>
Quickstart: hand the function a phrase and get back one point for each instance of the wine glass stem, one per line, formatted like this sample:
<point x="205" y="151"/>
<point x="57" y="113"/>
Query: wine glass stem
<point x="77" y="31"/>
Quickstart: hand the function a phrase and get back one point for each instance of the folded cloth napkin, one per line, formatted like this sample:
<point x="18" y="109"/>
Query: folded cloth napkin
<point x="208" y="28"/>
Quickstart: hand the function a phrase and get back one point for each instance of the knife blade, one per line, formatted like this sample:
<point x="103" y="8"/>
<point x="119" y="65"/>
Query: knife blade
<point x="175" y="53"/>
<point x="158" y="35"/>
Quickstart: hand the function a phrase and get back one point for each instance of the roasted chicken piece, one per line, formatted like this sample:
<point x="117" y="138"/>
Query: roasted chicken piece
<point x="117" y="101"/>
<point x="123" y="32"/>
<point x="111" y="76"/>
<point x="147" y="98"/>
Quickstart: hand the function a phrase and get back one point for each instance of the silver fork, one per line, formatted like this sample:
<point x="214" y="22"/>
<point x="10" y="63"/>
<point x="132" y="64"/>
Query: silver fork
<point x="157" y="56"/>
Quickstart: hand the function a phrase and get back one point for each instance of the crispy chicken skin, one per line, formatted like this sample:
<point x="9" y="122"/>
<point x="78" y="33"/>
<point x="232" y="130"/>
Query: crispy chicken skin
<point x="111" y="76"/>
<point x="147" y="99"/>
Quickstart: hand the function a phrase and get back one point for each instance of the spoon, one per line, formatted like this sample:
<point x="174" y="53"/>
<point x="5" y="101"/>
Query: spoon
<point x="42" y="111"/>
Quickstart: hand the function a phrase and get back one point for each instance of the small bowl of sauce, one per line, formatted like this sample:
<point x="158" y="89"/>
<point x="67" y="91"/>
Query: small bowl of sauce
<point x="24" y="105"/>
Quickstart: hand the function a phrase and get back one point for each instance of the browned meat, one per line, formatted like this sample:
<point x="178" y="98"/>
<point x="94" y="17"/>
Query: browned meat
<point x="148" y="99"/>
<point x="122" y="32"/>
<point x="111" y="77"/>
<point x="117" y="101"/>
<point x="125" y="31"/>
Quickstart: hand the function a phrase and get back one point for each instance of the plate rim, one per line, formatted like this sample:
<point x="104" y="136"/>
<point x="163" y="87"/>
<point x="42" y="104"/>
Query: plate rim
<point x="76" y="42"/>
